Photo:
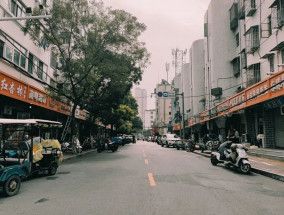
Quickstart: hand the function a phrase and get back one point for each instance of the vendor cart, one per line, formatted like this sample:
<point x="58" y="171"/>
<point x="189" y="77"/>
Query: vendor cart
<point x="27" y="148"/>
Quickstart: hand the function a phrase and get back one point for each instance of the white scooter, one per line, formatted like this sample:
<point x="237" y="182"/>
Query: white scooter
<point x="76" y="147"/>
<point x="236" y="157"/>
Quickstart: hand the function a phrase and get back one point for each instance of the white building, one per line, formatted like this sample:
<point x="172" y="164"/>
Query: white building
<point x="141" y="98"/>
<point x="197" y="77"/>
<point x="163" y="107"/>
<point x="150" y="116"/>
<point x="244" y="56"/>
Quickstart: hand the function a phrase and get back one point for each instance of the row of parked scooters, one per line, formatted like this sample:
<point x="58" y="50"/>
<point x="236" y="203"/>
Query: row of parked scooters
<point x="229" y="153"/>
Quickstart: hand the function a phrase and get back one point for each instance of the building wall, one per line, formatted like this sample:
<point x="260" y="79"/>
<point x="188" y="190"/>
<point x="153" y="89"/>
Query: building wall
<point x="198" y="83"/>
<point x="218" y="51"/>
<point x="150" y="116"/>
<point x="186" y="87"/>
<point x="163" y="108"/>
<point x="14" y="37"/>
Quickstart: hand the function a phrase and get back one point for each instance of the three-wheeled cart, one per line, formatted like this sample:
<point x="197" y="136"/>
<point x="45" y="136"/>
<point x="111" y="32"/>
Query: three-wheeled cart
<point x="24" y="152"/>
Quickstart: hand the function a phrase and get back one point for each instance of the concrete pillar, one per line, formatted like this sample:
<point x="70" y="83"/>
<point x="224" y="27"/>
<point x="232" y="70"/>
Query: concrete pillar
<point x="221" y="124"/>
<point x="268" y="128"/>
<point x="250" y="121"/>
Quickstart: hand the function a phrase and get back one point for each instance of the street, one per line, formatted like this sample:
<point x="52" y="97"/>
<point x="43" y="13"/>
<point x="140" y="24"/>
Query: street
<point x="145" y="178"/>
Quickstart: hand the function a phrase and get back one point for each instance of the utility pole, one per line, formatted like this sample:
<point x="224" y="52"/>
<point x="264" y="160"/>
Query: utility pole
<point x="178" y="59"/>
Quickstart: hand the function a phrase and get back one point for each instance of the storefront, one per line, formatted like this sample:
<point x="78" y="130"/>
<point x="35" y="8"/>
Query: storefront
<point x="20" y="100"/>
<point x="255" y="112"/>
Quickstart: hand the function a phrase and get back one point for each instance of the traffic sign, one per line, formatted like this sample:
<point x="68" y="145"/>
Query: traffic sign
<point x="160" y="94"/>
<point x="165" y="94"/>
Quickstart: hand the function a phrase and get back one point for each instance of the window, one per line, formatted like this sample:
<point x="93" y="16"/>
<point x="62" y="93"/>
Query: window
<point x="241" y="9"/>
<point x="1" y="49"/>
<point x="252" y="39"/>
<point x="250" y="7"/>
<point x="282" y="55"/>
<point x="37" y="67"/>
<point x="243" y="59"/>
<point x="30" y="67"/>
<point x="271" y="63"/>
<point x="8" y="53"/>
<point x="16" y="57"/>
<point x="16" y="8"/>
<point x="269" y="26"/>
<point x="151" y="117"/>
<point x="53" y="60"/>
<point x="236" y="66"/>
<point x="23" y="62"/>
<point x="234" y="16"/>
<point x="253" y="74"/>
<point x="237" y="39"/>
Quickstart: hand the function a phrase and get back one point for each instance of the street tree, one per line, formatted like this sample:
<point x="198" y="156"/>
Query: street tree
<point x="90" y="40"/>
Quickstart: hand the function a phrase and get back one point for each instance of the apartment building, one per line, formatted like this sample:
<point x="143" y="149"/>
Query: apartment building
<point x="141" y="97"/>
<point x="150" y="116"/>
<point x="163" y="107"/>
<point x="26" y="68"/>
<point x="243" y="70"/>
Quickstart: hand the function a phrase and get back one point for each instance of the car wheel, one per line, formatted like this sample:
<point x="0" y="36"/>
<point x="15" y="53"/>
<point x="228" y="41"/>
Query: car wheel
<point x="177" y="148"/>
<point x="52" y="169"/>
<point x="12" y="185"/>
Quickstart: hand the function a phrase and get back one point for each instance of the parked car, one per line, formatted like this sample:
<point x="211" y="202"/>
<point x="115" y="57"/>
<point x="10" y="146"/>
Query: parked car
<point x="170" y="140"/>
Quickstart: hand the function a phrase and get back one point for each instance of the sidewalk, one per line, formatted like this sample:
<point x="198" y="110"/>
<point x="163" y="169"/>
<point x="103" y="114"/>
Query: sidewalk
<point x="264" y="166"/>
<point x="70" y="155"/>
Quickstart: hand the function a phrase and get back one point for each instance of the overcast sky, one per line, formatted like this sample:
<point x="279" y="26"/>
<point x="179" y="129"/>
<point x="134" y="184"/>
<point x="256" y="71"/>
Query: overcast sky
<point x="170" y="24"/>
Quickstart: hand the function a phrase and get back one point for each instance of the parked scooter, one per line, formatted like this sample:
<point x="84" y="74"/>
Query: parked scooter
<point x="108" y="146"/>
<point x="75" y="147"/>
<point x="236" y="157"/>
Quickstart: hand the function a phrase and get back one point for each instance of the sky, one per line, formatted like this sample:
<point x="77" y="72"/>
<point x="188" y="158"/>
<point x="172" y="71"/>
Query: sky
<point x="170" y="24"/>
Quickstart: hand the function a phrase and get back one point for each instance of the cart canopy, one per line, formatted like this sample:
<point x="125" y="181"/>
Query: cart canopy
<point x="36" y="122"/>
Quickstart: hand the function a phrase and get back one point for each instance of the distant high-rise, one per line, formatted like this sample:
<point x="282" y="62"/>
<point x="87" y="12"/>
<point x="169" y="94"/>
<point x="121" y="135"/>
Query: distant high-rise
<point x="141" y="98"/>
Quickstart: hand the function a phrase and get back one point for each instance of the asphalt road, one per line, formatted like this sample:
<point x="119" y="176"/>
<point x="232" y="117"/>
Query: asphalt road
<point x="146" y="179"/>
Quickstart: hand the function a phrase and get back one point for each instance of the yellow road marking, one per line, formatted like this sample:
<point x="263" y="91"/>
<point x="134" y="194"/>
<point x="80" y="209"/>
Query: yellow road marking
<point x="146" y="161"/>
<point x="151" y="179"/>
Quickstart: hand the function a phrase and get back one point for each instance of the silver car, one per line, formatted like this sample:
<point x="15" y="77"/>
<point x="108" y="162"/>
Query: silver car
<point x="170" y="140"/>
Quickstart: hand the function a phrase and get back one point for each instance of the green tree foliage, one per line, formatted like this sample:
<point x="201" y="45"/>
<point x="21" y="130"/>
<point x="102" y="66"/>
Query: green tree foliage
<point x="137" y="124"/>
<point x="99" y="49"/>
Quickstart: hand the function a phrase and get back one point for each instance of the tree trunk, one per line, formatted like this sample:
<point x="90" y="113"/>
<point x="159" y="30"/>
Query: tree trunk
<point x="73" y="122"/>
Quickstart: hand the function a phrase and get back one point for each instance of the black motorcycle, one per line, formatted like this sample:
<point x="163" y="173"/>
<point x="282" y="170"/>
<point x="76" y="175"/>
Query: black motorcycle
<point x="107" y="146"/>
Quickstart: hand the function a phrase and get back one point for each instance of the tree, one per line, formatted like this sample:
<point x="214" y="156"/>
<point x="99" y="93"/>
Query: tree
<point x="91" y="41"/>
<point x="137" y="124"/>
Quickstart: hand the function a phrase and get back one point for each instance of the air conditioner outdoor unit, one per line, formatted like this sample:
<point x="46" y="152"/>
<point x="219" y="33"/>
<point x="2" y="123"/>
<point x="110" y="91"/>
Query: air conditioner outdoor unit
<point x="282" y="110"/>
<point x="7" y="110"/>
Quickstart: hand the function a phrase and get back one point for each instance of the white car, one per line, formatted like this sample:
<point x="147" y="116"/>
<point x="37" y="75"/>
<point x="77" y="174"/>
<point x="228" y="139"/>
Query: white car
<point x="170" y="140"/>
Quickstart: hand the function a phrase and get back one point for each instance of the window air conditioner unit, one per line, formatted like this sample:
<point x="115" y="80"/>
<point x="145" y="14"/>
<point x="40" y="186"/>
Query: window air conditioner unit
<point x="7" y="110"/>
<point x="216" y="91"/>
<point x="282" y="110"/>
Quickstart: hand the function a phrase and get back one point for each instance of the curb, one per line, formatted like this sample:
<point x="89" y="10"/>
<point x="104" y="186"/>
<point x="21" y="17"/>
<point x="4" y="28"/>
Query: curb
<point x="258" y="171"/>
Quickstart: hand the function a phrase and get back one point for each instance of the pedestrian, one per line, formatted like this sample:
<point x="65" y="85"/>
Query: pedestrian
<point x="236" y="136"/>
<point x="230" y="135"/>
<point x="134" y="140"/>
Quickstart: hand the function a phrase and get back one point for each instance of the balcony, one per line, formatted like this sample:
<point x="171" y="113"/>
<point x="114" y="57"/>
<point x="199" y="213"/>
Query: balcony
<point x="250" y="7"/>
<point x="280" y="17"/>
<point x="234" y="16"/>
<point x="252" y="39"/>
<point x="241" y="9"/>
